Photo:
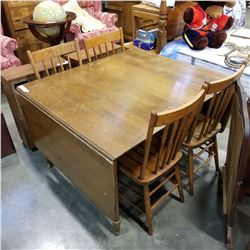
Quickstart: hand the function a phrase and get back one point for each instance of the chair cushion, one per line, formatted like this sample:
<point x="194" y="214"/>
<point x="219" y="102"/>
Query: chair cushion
<point x="130" y="164"/>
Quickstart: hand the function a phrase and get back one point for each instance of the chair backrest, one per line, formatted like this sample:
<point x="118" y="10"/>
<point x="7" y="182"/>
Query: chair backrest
<point x="54" y="58"/>
<point x="103" y="44"/>
<point x="221" y="93"/>
<point x="175" y="123"/>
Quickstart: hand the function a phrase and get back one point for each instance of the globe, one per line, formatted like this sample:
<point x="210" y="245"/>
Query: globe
<point x="49" y="11"/>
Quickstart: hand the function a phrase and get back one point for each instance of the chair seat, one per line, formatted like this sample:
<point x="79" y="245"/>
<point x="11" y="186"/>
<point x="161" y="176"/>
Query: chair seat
<point x="130" y="164"/>
<point x="196" y="142"/>
<point x="146" y="8"/>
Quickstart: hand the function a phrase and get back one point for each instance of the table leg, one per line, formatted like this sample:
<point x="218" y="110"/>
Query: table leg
<point x="117" y="227"/>
<point x="116" y="222"/>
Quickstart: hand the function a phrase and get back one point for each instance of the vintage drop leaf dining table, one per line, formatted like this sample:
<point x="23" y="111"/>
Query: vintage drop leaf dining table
<point x="85" y="118"/>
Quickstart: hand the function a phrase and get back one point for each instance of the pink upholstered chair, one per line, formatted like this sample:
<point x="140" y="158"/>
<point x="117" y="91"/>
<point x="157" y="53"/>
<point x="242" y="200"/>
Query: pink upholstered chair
<point x="8" y="45"/>
<point x="94" y="8"/>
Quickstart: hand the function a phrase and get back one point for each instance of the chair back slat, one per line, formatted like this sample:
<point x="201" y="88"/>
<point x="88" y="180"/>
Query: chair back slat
<point x="54" y="57"/>
<point x="106" y="48"/>
<point x="53" y="65"/>
<point x="45" y="67"/>
<point x="162" y="148"/>
<point x="60" y="63"/>
<point x="152" y="122"/>
<point x="169" y="148"/>
<point x="178" y="138"/>
<point x="100" y="51"/>
<point x="175" y="124"/>
<point x="94" y="54"/>
<point x="103" y="43"/>
<point x="69" y="61"/>
<point x="113" y="47"/>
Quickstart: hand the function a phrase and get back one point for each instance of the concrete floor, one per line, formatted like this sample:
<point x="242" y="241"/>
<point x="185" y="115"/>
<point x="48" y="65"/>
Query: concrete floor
<point x="42" y="210"/>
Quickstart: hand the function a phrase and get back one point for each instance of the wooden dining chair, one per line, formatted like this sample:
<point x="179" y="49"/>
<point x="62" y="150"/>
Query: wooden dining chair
<point x="202" y="135"/>
<point x="154" y="163"/>
<point x="104" y="45"/>
<point x="54" y="59"/>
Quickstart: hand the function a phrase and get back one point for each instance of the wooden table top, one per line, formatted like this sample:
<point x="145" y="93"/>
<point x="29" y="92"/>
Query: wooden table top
<point x="108" y="103"/>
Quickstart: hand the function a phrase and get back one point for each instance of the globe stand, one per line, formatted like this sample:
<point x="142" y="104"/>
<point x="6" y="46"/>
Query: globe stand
<point x="53" y="40"/>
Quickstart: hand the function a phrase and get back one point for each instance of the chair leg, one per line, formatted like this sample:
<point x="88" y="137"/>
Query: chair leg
<point x="178" y="179"/>
<point x="148" y="209"/>
<point x="216" y="155"/>
<point x="50" y="164"/>
<point x="191" y="171"/>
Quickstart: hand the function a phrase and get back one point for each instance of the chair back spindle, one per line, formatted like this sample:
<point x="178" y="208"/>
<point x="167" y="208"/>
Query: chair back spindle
<point x="54" y="58"/>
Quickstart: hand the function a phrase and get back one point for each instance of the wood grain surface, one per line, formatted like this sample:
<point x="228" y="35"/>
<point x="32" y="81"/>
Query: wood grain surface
<point x="108" y="103"/>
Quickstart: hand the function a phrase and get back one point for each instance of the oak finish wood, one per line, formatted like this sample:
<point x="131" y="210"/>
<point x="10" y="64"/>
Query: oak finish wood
<point x="109" y="91"/>
<point x="96" y="44"/>
<point x="10" y="79"/>
<point x="158" y="161"/>
<point x="236" y="171"/>
<point x="106" y="105"/>
<point x="55" y="55"/>
<point x="13" y="77"/>
<point x="82" y="164"/>
<point x="203" y="132"/>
